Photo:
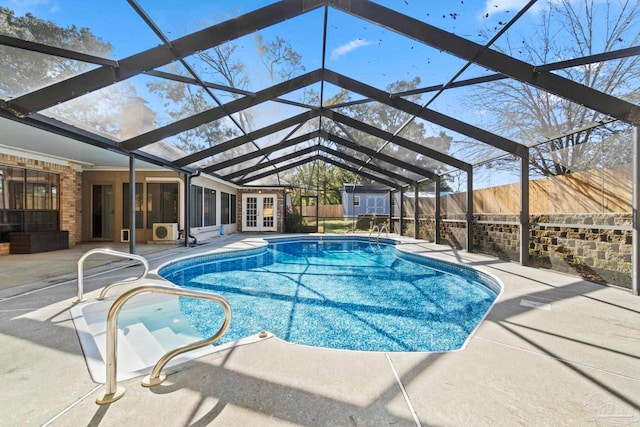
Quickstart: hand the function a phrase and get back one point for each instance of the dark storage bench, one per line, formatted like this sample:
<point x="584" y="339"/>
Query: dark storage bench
<point x="38" y="241"/>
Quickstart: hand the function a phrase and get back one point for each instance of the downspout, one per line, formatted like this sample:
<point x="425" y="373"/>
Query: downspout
<point x="187" y="226"/>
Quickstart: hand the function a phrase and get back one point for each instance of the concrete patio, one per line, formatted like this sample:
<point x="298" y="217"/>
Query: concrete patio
<point x="554" y="350"/>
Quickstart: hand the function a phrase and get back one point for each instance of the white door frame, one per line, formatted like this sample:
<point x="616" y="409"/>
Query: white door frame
<point x="258" y="215"/>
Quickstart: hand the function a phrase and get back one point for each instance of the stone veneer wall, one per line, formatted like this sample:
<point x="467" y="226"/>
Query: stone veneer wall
<point x="588" y="245"/>
<point x="70" y="191"/>
<point x="579" y="246"/>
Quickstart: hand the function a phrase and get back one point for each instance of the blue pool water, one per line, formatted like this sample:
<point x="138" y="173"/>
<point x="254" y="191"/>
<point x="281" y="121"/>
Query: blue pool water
<point x="342" y="294"/>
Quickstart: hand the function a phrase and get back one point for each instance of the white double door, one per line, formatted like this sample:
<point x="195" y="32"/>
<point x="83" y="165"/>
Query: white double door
<point x="260" y="212"/>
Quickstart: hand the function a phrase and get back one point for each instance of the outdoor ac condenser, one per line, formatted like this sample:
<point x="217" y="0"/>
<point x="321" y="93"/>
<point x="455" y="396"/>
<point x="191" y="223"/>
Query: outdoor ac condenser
<point x="165" y="231"/>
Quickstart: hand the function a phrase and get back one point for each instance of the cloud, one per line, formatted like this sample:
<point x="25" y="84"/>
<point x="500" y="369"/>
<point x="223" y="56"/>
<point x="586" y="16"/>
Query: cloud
<point x="494" y="6"/>
<point x="349" y="47"/>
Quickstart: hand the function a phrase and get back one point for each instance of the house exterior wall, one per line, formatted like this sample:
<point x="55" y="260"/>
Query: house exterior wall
<point x="70" y="185"/>
<point x="205" y="233"/>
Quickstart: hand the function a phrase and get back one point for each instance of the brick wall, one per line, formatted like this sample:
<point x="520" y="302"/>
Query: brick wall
<point x="70" y="191"/>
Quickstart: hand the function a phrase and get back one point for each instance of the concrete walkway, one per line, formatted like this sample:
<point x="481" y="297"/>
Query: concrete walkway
<point x="554" y="350"/>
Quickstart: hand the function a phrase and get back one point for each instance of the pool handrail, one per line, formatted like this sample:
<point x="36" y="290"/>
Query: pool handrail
<point x="379" y="229"/>
<point x="374" y="228"/>
<point x="112" y="391"/>
<point x="384" y="227"/>
<point x="111" y="252"/>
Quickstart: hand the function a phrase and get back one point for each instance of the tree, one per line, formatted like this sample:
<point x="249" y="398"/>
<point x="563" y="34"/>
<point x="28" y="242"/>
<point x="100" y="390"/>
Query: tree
<point x="321" y="179"/>
<point x="392" y="120"/>
<point x="278" y="58"/>
<point x="222" y="65"/>
<point x="567" y="29"/>
<point x="24" y="71"/>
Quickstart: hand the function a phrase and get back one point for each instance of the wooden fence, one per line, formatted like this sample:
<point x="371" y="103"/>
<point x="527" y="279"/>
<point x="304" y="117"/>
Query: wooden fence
<point x="324" y="211"/>
<point x="594" y="191"/>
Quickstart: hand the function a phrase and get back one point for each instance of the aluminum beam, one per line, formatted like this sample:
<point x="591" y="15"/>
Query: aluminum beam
<point x="271" y="162"/>
<point x="402" y="142"/>
<point x="438" y="213"/>
<point x="159" y="56"/>
<point x="359" y="172"/>
<point x="308" y="150"/>
<point x="635" y="233"/>
<point x="243" y="139"/>
<point x="553" y="66"/>
<point x="385" y="158"/>
<point x="524" y="210"/>
<point x="416" y="210"/>
<point x="132" y="204"/>
<point x="264" y="151"/>
<point x="222" y="111"/>
<point x="499" y="62"/>
<point x="317" y="157"/>
<point x="56" y="51"/>
<point x="278" y="170"/>
<point x="424" y="113"/>
<point x="364" y="164"/>
<point x="469" y="216"/>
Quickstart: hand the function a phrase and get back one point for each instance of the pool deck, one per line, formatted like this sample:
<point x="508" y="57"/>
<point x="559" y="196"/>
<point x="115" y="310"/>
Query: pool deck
<point x="554" y="350"/>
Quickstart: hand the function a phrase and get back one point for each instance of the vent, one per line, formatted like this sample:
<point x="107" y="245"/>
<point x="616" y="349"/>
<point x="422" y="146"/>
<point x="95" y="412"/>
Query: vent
<point x="125" y="235"/>
<point x="165" y="231"/>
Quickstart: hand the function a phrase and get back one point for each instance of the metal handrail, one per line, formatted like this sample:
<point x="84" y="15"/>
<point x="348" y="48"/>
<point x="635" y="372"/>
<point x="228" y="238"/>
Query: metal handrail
<point x="375" y="227"/>
<point x="113" y="253"/>
<point x="112" y="391"/>
<point x="384" y="227"/>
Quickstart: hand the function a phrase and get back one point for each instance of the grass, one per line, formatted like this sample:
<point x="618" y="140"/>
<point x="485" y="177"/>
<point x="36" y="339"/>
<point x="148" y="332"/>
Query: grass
<point x="337" y="225"/>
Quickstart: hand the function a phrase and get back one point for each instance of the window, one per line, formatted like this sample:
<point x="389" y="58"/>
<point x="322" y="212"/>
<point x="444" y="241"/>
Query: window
<point x="162" y="203"/>
<point x="29" y="201"/>
<point x="356" y="200"/>
<point x="202" y="206"/>
<point x="126" y="209"/>
<point x="228" y="208"/>
<point x="195" y="206"/>
<point x="209" y="207"/>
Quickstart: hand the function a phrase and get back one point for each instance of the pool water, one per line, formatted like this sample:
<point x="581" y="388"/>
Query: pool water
<point x="338" y="294"/>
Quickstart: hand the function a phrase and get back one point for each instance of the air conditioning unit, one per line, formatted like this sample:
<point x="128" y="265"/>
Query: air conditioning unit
<point x="165" y="231"/>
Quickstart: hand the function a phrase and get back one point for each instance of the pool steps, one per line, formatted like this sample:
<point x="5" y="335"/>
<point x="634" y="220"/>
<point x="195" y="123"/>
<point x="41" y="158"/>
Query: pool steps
<point x="143" y="340"/>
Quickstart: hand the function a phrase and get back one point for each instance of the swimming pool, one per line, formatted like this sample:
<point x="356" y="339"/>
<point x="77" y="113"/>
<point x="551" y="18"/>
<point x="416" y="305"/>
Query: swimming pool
<point x="336" y="293"/>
